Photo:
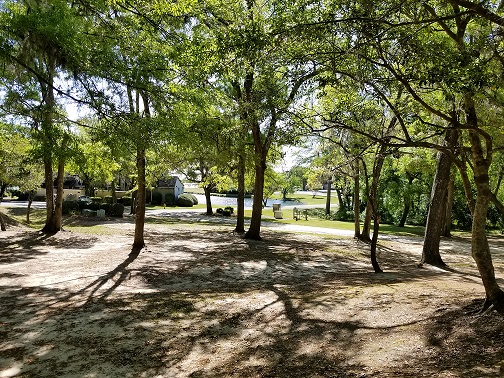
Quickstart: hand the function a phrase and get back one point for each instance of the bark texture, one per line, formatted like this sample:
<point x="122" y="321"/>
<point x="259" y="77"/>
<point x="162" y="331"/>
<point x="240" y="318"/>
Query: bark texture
<point x="438" y="203"/>
<point x="482" y="157"/>
<point x="240" y="208"/>
<point x="356" y="201"/>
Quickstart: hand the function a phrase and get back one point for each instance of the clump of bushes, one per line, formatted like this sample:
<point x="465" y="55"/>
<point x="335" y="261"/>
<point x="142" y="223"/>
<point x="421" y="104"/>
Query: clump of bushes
<point x="157" y="199"/>
<point x="70" y="207"/>
<point x="227" y="211"/>
<point x="169" y="200"/>
<point x="116" y="210"/>
<point x="187" y="200"/>
<point x="126" y="201"/>
<point x="75" y="207"/>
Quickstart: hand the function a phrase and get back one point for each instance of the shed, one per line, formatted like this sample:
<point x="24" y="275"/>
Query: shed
<point x="170" y="188"/>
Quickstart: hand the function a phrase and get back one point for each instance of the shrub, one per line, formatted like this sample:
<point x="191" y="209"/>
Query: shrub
<point x="107" y="199"/>
<point x="230" y="209"/>
<point x="185" y="200"/>
<point x="116" y="210"/>
<point x="106" y="207"/>
<point x="126" y="201"/>
<point x="97" y="199"/>
<point x="22" y="196"/>
<point x="193" y="197"/>
<point x="169" y="199"/>
<point x="219" y="210"/>
<point x="157" y="199"/>
<point x="70" y="207"/>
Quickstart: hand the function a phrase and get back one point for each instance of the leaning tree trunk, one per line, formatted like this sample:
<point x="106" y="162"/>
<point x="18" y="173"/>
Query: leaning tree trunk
<point x="240" y="205"/>
<point x="371" y="202"/>
<point x="437" y="208"/>
<point x="479" y="243"/>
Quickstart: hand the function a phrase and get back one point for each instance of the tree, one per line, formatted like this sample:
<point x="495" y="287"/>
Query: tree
<point x="436" y="86"/>
<point x="255" y="61"/>
<point x="38" y="40"/>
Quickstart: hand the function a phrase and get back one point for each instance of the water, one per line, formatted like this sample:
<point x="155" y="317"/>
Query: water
<point x="231" y="201"/>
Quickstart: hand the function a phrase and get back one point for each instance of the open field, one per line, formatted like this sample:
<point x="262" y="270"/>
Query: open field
<point x="200" y="301"/>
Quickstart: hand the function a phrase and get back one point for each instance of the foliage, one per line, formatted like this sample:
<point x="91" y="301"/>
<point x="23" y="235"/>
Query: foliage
<point x="117" y="210"/>
<point x="186" y="200"/>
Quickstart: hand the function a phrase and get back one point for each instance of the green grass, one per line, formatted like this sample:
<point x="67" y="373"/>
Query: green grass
<point x="37" y="216"/>
<point x="198" y="206"/>
<point x="326" y="223"/>
<point x="306" y="199"/>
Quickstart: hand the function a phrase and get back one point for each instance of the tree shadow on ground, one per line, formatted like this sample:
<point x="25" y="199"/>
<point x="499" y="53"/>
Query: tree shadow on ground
<point x="211" y="304"/>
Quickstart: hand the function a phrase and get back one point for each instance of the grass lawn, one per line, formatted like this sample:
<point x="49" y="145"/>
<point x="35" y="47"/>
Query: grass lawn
<point x="37" y="221"/>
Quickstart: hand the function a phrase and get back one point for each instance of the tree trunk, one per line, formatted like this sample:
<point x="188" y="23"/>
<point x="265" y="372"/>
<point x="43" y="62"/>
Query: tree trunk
<point x="328" y="196"/>
<point x="54" y="223"/>
<point x="449" y="207"/>
<point x="405" y="212"/>
<point x="3" y="225"/>
<point x="356" y="201"/>
<point x="31" y="195"/>
<point x="138" y="242"/>
<point x="374" y="243"/>
<point x="437" y="208"/>
<point x="49" y="186"/>
<point x="254" y="230"/>
<point x="479" y="243"/>
<point x="407" y="201"/>
<point x="113" y="190"/>
<point x="366" y="229"/>
<point x="208" y="191"/>
<point x="240" y="209"/>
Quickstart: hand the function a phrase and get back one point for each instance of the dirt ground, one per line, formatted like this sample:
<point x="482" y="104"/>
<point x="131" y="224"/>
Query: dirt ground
<point x="200" y="301"/>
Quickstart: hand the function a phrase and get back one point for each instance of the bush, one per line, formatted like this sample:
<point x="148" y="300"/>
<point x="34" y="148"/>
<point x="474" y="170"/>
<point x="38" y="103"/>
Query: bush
<point x="230" y="209"/>
<point x="193" y="197"/>
<point x="185" y="200"/>
<point x="91" y="206"/>
<point x="220" y="210"/>
<point x="116" y="210"/>
<point x="157" y="199"/>
<point x="70" y="207"/>
<point x="106" y="207"/>
<point x="21" y="196"/>
<point x="97" y="199"/>
<point x="169" y="200"/>
<point x="107" y="199"/>
<point x="126" y="201"/>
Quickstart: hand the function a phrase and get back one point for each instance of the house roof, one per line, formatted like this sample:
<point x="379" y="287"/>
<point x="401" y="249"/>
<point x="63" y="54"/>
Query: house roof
<point x="168" y="182"/>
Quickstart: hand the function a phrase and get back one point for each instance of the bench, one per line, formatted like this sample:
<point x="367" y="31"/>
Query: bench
<point x="299" y="213"/>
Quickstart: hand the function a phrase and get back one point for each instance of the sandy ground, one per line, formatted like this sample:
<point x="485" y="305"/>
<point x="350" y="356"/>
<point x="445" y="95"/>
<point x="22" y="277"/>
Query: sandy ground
<point x="200" y="301"/>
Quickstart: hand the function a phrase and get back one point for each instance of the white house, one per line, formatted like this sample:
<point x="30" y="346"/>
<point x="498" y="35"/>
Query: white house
<point x="170" y="187"/>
